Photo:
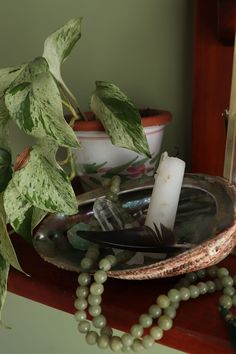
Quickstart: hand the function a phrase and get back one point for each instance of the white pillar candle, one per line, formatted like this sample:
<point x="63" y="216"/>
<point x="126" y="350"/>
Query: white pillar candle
<point x="166" y="191"/>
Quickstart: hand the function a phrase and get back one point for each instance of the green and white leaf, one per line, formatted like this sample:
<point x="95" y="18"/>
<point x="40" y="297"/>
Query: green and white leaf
<point x="4" y="129"/>
<point x="7" y="76"/>
<point x="22" y="215"/>
<point x="6" y="248"/>
<point x="58" y="46"/>
<point x="29" y="71"/>
<point x="19" y="211"/>
<point x="44" y="184"/>
<point x="119" y="117"/>
<point x="37" y="217"/>
<point x="5" y="168"/>
<point x="36" y="107"/>
<point x="4" y="271"/>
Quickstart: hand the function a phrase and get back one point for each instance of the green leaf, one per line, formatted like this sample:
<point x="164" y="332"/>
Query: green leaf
<point x="58" y="46"/>
<point x="119" y="117"/>
<point x="19" y="211"/>
<point x="22" y="215"/>
<point x="29" y="71"/>
<point x="36" y="105"/>
<point x="4" y="129"/>
<point x="37" y="217"/>
<point x="6" y="248"/>
<point x="7" y="75"/>
<point x="44" y="184"/>
<point x="4" y="270"/>
<point x="5" y="168"/>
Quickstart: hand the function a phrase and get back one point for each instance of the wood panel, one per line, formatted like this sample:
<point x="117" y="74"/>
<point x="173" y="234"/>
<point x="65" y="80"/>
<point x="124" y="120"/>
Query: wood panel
<point x="211" y="87"/>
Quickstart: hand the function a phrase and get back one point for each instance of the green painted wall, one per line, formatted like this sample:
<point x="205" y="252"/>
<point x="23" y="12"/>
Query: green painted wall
<point x="143" y="46"/>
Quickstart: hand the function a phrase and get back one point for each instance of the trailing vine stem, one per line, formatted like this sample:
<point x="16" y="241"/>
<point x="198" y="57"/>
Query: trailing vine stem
<point x="72" y="106"/>
<point x="70" y="161"/>
<point x="75" y="115"/>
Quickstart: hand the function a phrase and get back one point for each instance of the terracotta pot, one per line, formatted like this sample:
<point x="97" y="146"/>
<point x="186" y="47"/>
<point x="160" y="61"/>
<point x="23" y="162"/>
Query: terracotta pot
<point x="98" y="157"/>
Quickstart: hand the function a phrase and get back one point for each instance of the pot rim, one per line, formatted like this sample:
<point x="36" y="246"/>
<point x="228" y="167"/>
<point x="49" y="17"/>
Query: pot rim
<point x="154" y="117"/>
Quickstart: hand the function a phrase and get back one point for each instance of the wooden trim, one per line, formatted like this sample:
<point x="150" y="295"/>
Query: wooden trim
<point x="211" y="91"/>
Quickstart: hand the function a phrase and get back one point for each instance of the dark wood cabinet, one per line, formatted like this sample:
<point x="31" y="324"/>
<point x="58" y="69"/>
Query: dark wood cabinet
<point x="213" y="55"/>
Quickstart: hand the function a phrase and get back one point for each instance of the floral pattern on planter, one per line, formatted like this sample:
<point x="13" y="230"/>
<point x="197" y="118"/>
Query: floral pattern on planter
<point x="135" y="168"/>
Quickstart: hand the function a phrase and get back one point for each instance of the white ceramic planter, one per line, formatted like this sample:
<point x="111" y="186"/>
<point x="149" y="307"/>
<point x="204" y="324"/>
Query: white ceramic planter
<point x="98" y="157"/>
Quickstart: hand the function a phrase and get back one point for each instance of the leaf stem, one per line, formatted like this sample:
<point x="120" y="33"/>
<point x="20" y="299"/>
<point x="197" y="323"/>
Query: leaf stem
<point x="72" y="102"/>
<point x="69" y="160"/>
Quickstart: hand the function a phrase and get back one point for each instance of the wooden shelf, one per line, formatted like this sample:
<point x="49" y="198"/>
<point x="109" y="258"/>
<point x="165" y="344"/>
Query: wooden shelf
<point x="197" y="325"/>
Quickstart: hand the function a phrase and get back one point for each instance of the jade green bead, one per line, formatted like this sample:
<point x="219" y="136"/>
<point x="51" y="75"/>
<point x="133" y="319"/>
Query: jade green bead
<point x="194" y="291"/>
<point x="126" y="349"/>
<point x="94" y="299"/>
<point x="99" y="321"/>
<point x="96" y="289"/>
<point x="93" y="255"/>
<point x="80" y="315"/>
<point x="136" y="330"/>
<point x="165" y="322"/>
<point x="202" y="287"/>
<point x="211" y="287"/>
<point x="137" y="345"/>
<point x="163" y="301"/>
<point x="127" y="339"/>
<point x="154" y="311"/>
<point x="94" y="310"/>
<point x="111" y="259"/>
<point x="145" y="320"/>
<point x="116" y="179"/>
<point x="170" y="311"/>
<point x="225" y="301"/>
<point x="234" y="278"/>
<point x="106" y="330"/>
<point x="112" y="196"/>
<point x="115" y="188"/>
<point x="227" y="281"/>
<point x="184" y="294"/>
<point x="91" y="337"/>
<point x="147" y="342"/>
<point x="86" y="263"/>
<point x="105" y="181"/>
<point x="184" y="283"/>
<point x="201" y="273"/>
<point x="191" y="277"/>
<point x="105" y="264"/>
<point x="222" y="272"/>
<point x="156" y="333"/>
<point x="93" y="247"/>
<point x="83" y="326"/>
<point x="84" y="279"/>
<point x="212" y="271"/>
<point x="175" y="305"/>
<point x="100" y="276"/>
<point x="115" y="343"/>
<point x="103" y="341"/>
<point x="82" y="291"/>
<point x="81" y="304"/>
<point x="229" y="290"/>
<point x="234" y="300"/>
<point x="174" y="295"/>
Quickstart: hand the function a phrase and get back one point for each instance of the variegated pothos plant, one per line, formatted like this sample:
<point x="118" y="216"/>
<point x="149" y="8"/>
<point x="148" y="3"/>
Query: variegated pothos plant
<point x="34" y="95"/>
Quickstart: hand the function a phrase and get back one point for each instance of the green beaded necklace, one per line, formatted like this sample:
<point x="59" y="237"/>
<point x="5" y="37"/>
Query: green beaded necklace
<point x="89" y="297"/>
